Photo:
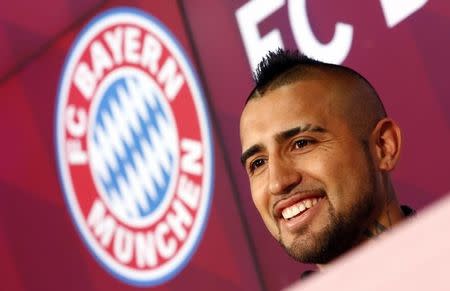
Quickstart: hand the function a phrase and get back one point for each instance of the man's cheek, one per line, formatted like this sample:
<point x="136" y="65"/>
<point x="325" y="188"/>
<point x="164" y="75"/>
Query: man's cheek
<point x="271" y="225"/>
<point x="268" y="219"/>
<point x="263" y="211"/>
<point x="259" y="197"/>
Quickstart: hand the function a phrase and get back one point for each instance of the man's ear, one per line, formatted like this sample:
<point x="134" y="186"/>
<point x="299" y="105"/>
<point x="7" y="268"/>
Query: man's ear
<point x="387" y="140"/>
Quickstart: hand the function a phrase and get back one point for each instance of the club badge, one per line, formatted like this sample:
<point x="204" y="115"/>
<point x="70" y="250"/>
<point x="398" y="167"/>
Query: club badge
<point x="134" y="148"/>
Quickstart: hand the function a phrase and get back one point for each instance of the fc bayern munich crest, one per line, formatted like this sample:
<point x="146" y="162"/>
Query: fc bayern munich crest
<point x="134" y="147"/>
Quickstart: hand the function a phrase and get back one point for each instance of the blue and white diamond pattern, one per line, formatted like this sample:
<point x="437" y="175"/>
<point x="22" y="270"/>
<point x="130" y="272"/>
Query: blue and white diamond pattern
<point x="134" y="148"/>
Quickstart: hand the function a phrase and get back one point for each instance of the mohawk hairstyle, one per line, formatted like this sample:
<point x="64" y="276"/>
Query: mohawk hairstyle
<point x="276" y="63"/>
<point x="280" y="67"/>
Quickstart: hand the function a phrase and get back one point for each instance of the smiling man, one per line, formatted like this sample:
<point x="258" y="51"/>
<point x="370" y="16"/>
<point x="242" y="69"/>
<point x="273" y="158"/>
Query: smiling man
<point x="318" y="147"/>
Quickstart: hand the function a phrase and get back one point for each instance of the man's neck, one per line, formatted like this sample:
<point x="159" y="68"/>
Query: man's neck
<point x="391" y="215"/>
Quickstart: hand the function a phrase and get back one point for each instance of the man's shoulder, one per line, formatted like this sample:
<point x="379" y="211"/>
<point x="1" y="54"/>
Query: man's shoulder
<point x="407" y="211"/>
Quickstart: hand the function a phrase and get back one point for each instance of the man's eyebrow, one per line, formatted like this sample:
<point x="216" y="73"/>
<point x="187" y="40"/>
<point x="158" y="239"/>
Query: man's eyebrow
<point x="279" y="137"/>
<point x="250" y="152"/>
<point x="287" y="134"/>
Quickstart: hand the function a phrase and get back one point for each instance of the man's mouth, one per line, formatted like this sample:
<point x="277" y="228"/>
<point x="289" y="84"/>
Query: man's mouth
<point x="299" y="208"/>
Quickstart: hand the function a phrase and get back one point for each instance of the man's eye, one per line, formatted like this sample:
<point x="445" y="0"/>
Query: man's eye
<point x="256" y="164"/>
<point x="301" y="143"/>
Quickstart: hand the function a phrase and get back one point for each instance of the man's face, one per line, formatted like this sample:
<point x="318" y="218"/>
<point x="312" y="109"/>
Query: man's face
<point x="312" y="178"/>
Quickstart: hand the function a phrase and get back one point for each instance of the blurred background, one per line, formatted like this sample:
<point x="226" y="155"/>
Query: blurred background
<point x="400" y="46"/>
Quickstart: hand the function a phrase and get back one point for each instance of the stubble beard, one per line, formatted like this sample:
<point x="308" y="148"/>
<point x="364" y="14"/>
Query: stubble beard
<point x="337" y="237"/>
<point x="343" y="231"/>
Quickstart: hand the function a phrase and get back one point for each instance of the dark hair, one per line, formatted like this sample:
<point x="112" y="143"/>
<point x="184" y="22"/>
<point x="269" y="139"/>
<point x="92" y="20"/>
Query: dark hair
<point x="282" y="67"/>
<point x="276" y="63"/>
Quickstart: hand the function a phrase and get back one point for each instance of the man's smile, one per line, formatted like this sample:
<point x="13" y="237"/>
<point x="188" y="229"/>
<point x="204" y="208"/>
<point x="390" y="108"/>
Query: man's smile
<point x="298" y="208"/>
<point x="292" y="212"/>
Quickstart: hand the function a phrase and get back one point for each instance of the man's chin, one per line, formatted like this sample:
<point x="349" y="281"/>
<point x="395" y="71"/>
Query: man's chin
<point x="305" y="251"/>
<point x="311" y="256"/>
<point x="314" y="248"/>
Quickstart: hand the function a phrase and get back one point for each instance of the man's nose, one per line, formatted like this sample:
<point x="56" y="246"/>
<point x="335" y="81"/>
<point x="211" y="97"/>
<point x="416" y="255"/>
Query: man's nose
<point x="283" y="176"/>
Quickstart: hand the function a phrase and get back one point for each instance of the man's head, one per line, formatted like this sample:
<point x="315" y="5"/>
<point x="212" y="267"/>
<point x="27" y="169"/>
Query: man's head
<point x="317" y="147"/>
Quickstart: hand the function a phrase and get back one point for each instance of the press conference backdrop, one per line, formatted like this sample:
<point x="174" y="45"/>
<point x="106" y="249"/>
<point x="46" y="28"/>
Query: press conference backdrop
<point x="120" y="152"/>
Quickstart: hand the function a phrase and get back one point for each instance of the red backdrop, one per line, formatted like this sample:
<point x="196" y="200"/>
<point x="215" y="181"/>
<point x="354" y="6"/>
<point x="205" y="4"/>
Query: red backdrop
<point x="403" y="55"/>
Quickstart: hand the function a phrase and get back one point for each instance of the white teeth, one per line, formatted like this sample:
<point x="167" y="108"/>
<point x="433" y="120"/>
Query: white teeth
<point x="308" y="203"/>
<point x="299" y="207"/>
